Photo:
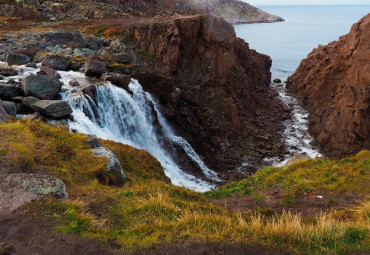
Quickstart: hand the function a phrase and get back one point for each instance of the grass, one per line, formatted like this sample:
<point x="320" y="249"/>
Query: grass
<point x="338" y="176"/>
<point x="149" y="210"/>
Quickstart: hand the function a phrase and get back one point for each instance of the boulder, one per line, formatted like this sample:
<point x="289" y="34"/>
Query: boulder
<point x="276" y="80"/>
<point x="67" y="38"/>
<point x="95" y="43"/>
<point x="93" y="141"/>
<point x="113" y="166"/>
<point x="52" y="108"/>
<point x="50" y="72"/>
<point x="28" y="101"/>
<point x="41" y="86"/>
<point x="17" y="59"/>
<point x="6" y="71"/>
<point x="95" y="68"/>
<point x="74" y="65"/>
<point x="32" y="65"/>
<point x="9" y="91"/>
<point x="55" y="62"/>
<point x="74" y="83"/>
<point x="120" y="80"/>
<point x="3" y="114"/>
<point x="90" y="91"/>
<point x="10" y="107"/>
<point x="19" y="189"/>
<point x="121" y="58"/>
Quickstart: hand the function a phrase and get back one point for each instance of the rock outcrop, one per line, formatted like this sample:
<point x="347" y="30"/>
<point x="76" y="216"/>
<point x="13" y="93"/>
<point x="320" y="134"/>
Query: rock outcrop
<point x="19" y="189"/>
<point x="211" y="87"/>
<point x="334" y="82"/>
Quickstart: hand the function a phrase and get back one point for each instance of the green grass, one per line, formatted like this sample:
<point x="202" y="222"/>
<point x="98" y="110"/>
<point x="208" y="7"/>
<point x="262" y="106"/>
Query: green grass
<point x="149" y="210"/>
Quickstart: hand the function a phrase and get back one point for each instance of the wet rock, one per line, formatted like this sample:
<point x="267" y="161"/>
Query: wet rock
<point x="74" y="83"/>
<point x="9" y="91"/>
<point x="113" y="166"/>
<point x="276" y="80"/>
<point x="3" y="114"/>
<point x="41" y="87"/>
<point x="8" y="71"/>
<point x="19" y="189"/>
<point x="10" y="107"/>
<point x="67" y="38"/>
<point x="17" y="59"/>
<point x="90" y="91"/>
<point x="31" y="65"/>
<point x="2" y="77"/>
<point x="93" y="141"/>
<point x="52" y="108"/>
<point x="120" y="80"/>
<point x="50" y="72"/>
<point x="28" y="101"/>
<point x="94" y="68"/>
<point x="55" y="62"/>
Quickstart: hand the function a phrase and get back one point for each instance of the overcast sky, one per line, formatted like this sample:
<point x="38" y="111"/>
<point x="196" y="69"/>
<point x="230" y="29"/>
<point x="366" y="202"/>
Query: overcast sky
<point x="305" y="2"/>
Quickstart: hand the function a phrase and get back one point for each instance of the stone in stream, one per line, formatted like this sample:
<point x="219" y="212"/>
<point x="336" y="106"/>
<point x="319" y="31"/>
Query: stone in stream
<point x="52" y="108"/>
<point x="95" y="68"/>
<point x="50" y="72"/>
<point x="113" y="166"/>
<point x="17" y="58"/>
<point x="120" y="80"/>
<point x="276" y="80"/>
<point x="19" y="189"/>
<point x="55" y="62"/>
<point x="74" y="83"/>
<point x="41" y="86"/>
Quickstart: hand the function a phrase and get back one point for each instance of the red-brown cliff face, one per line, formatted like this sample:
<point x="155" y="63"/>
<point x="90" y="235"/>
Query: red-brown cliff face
<point x="334" y="82"/>
<point x="211" y="86"/>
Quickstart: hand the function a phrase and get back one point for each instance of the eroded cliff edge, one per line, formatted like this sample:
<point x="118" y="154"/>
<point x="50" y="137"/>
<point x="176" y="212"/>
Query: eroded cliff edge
<point x="334" y="82"/>
<point x="212" y="87"/>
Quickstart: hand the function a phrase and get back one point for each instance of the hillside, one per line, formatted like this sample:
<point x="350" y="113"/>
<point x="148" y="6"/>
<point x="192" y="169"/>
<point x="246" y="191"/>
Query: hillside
<point x="150" y="212"/>
<point x="233" y="11"/>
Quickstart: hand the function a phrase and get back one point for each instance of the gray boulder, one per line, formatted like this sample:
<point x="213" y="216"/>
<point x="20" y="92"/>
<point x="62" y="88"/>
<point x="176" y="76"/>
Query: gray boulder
<point x="9" y="91"/>
<point x="41" y="86"/>
<point x="74" y="83"/>
<point x="113" y="166"/>
<point x="10" y="107"/>
<point x="94" y="68"/>
<point x="276" y="80"/>
<point x="17" y="59"/>
<point x="93" y="141"/>
<point x="50" y="72"/>
<point x="121" y="58"/>
<point x="55" y="62"/>
<point x="67" y="38"/>
<point x="120" y="80"/>
<point x="52" y="108"/>
<point x="95" y="43"/>
<point x="19" y="189"/>
<point x="32" y="65"/>
<point x="28" y="101"/>
<point x="3" y="114"/>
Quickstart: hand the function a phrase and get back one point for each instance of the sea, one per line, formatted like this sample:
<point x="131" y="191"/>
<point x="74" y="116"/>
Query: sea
<point x="305" y="28"/>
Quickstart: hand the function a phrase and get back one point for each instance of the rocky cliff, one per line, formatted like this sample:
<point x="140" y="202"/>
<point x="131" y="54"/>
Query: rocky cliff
<point x="233" y="11"/>
<point x="212" y="87"/>
<point x="334" y="82"/>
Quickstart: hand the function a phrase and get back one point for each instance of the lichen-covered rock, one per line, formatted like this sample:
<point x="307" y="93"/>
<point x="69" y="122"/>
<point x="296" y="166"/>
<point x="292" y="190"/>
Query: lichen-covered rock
<point x="334" y="82"/>
<point x="41" y="86"/>
<point x="19" y="189"/>
<point x="10" y="107"/>
<point x="28" y="101"/>
<point x="113" y="166"/>
<point x="55" y="62"/>
<point x="52" y="108"/>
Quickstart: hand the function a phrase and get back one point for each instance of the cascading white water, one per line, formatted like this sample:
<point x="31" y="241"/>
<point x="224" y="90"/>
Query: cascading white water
<point x="297" y="139"/>
<point x="117" y="115"/>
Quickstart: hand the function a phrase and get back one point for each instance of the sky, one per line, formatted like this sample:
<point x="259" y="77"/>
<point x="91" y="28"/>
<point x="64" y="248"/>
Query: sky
<point x="306" y="2"/>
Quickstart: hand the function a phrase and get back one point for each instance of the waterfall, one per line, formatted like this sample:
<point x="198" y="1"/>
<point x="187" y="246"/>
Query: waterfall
<point x="133" y="119"/>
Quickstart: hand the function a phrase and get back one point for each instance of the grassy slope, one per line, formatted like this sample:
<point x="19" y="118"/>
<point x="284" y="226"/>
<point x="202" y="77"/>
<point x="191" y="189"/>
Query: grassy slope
<point x="149" y="210"/>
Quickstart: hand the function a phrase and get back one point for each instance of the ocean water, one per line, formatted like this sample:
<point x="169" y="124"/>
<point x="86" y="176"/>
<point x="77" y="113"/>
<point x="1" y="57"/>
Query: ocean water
<point x="287" y="43"/>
